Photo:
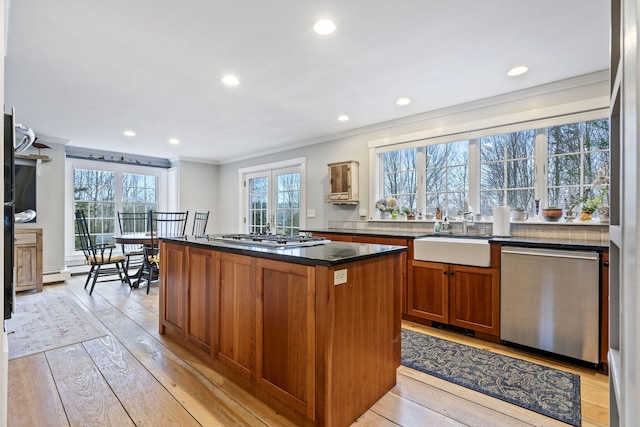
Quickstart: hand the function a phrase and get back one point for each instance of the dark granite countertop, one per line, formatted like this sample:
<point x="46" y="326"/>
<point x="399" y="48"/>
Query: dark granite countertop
<point x="328" y="254"/>
<point x="513" y="241"/>
<point x="373" y="233"/>
<point x="550" y="244"/>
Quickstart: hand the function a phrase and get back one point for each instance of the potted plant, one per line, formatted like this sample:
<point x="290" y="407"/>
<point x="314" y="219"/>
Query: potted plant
<point x="588" y="208"/>
<point x="571" y="204"/>
<point x="409" y="213"/>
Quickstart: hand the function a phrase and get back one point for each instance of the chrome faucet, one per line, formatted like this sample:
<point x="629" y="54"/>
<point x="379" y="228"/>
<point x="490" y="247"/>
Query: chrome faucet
<point x="465" y="222"/>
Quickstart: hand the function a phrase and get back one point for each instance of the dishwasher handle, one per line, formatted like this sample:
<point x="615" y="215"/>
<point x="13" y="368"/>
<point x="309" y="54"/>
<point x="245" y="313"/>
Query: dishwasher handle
<point x="552" y="254"/>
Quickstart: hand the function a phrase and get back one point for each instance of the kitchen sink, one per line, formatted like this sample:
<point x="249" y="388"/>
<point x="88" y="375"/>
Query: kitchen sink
<point x="453" y="250"/>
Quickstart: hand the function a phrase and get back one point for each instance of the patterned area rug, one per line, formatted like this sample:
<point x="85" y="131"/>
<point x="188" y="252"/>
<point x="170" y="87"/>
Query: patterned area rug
<point x="49" y="320"/>
<point x="548" y="391"/>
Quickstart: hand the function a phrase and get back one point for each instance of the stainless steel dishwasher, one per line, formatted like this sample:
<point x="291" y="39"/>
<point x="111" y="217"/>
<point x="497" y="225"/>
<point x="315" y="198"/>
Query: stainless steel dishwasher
<point x="550" y="300"/>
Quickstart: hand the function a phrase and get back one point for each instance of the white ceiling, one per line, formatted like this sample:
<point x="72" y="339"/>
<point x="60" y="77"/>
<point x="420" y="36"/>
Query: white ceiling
<point x="85" y="71"/>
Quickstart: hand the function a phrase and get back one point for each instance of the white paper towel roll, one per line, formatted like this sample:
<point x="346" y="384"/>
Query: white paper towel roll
<point x="502" y="221"/>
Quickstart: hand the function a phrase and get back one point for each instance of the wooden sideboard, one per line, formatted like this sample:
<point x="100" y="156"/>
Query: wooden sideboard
<point x="28" y="259"/>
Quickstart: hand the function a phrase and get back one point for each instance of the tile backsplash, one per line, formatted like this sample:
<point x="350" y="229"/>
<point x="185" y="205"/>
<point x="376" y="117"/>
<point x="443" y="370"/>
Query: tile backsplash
<point x="576" y="232"/>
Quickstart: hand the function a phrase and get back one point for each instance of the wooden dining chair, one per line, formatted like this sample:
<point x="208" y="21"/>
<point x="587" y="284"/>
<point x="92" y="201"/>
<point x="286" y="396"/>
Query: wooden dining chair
<point x="132" y="223"/>
<point x="200" y="220"/>
<point x="99" y="256"/>
<point x="160" y="224"/>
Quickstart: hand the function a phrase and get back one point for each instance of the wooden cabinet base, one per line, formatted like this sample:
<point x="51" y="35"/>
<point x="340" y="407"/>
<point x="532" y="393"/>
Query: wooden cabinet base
<point x="319" y="353"/>
<point x="28" y="259"/>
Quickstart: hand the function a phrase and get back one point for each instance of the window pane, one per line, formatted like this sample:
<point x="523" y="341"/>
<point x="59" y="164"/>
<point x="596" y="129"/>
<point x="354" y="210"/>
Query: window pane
<point x="258" y="205"/>
<point x="576" y="153"/>
<point x="95" y="194"/>
<point x="564" y="170"/>
<point x="447" y="176"/>
<point x="507" y="167"/>
<point x="491" y="176"/>
<point x="564" y="139"/>
<point x="288" y="203"/>
<point x="399" y="176"/>
<point x="489" y="199"/>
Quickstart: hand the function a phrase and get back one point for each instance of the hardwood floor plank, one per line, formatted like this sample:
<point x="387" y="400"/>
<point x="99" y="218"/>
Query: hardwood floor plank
<point x="407" y="413"/>
<point x="157" y="382"/>
<point x="202" y="399"/>
<point x="86" y="396"/>
<point x="33" y="399"/>
<point x="453" y="406"/>
<point x="371" y="419"/>
<point x="146" y="401"/>
<point x="256" y="412"/>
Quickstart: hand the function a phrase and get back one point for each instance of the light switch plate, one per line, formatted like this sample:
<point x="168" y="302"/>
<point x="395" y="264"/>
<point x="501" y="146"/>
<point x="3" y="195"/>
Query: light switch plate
<point x="311" y="213"/>
<point x="363" y="212"/>
<point x="340" y="276"/>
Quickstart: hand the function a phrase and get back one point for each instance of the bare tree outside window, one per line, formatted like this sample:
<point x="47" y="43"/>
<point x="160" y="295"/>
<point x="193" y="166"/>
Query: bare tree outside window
<point x="258" y="197"/>
<point x="507" y="171"/>
<point x="288" y="204"/>
<point x="576" y="153"/>
<point x="138" y="193"/>
<point x="95" y="192"/>
<point x="399" y="169"/>
<point x="447" y="176"/>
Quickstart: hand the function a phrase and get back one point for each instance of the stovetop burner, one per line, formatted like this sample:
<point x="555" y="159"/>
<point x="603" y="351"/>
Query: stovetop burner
<point x="274" y="239"/>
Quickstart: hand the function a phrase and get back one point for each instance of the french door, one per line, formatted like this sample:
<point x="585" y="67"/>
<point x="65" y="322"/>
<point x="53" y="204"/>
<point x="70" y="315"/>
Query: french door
<point x="273" y="200"/>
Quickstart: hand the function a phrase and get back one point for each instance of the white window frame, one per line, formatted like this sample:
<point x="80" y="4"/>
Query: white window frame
<point x="457" y="133"/>
<point x="72" y="256"/>
<point x="292" y="165"/>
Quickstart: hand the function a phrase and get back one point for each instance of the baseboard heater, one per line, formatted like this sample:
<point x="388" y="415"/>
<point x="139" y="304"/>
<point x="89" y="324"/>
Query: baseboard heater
<point x="56" y="276"/>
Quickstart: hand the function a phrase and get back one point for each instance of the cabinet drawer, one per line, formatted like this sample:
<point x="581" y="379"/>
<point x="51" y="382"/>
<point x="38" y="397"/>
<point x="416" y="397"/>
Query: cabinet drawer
<point x="26" y="238"/>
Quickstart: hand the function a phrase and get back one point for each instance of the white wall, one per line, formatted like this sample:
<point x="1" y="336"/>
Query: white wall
<point x="197" y="191"/>
<point x="584" y="93"/>
<point x="50" y="206"/>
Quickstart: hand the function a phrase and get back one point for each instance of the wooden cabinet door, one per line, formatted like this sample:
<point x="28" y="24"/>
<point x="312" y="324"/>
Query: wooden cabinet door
<point x="200" y="293"/>
<point x="28" y="259"/>
<point x="26" y="269"/>
<point x="428" y="294"/>
<point x="285" y="332"/>
<point x="235" y="312"/>
<point x="475" y="298"/>
<point x="334" y="237"/>
<point x="173" y="272"/>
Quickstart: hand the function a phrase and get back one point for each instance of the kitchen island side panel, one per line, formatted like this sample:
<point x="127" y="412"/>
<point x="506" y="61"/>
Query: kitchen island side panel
<point x="359" y="336"/>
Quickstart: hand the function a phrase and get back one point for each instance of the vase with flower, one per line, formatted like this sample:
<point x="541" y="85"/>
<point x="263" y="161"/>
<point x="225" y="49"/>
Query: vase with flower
<point x="600" y="186"/>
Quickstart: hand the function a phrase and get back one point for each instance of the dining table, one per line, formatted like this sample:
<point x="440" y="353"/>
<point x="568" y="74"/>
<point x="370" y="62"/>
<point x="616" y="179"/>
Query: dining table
<point x="144" y="239"/>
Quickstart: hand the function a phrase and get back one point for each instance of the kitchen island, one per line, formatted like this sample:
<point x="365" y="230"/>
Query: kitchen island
<point x="312" y="331"/>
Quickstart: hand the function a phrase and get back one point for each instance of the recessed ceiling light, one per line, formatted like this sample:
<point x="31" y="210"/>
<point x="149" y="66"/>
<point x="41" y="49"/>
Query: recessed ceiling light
<point x="403" y="101"/>
<point x="324" y="26"/>
<point x="230" y="80"/>
<point x="174" y="141"/>
<point x="516" y="71"/>
<point x="129" y="133"/>
<point x="343" y="118"/>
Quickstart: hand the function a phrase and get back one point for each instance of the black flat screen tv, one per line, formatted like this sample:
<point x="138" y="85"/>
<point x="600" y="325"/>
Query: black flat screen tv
<point x="25" y="186"/>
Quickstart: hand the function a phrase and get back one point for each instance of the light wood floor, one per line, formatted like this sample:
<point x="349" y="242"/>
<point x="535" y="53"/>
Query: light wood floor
<point x="134" y="376"/>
